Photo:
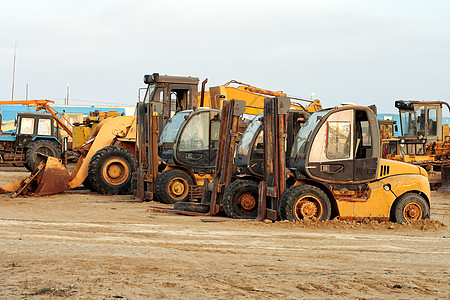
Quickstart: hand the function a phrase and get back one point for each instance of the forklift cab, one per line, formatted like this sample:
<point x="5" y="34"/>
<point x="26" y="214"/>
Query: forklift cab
<point x="337" y="146"/>
<point x="250" y="151"/>
<point x="175" y="92"/>
<point x="190" y="139"/>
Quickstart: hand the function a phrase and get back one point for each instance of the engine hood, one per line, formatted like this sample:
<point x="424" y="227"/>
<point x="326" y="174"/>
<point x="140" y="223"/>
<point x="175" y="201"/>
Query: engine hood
<point x="391" y="167"/>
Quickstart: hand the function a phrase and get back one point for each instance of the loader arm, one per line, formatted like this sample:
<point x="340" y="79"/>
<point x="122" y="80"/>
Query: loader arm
<point x="59" y="118"/>
<point x="111" y="129"/>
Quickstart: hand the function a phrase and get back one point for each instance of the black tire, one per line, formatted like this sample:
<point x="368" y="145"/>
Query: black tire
<point x="305" y="202"/>
<point x="240" y="199"/>
<point x="87" y="184"/>
<point x="410" y="207"/>
<point x="110" y="170"/>
<point x="46" y="147"/>
<point x="172" y="186"/>
<point x="192" y="207"/>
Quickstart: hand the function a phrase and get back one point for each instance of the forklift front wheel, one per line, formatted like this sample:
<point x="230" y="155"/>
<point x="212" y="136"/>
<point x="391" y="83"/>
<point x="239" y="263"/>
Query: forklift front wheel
<point x="305" y="202"/>
<point x="172" y="186"/>
<point x="240" y="199"/>
<point x="410" y="207"/>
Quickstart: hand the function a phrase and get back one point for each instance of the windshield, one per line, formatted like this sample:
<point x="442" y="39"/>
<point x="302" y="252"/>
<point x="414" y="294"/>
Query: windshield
<point x="247" y="136"/>
<point x="149" y="93"/>
<point x="302" y="136"/>
<point x="170" y="131"/>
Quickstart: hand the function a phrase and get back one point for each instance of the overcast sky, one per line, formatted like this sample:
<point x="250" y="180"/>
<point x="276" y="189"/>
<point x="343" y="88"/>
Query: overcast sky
<point x="342" y="51"/>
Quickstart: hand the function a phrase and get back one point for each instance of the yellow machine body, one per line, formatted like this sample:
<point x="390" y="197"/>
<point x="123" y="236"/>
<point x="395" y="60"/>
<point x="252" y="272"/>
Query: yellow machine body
<point x="393" y="180"/>
<point x="105" y="134"/>
<point x="253" y="97"/>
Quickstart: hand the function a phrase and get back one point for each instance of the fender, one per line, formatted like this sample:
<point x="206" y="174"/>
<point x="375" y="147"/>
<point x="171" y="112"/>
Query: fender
<point x="41" y="137"/>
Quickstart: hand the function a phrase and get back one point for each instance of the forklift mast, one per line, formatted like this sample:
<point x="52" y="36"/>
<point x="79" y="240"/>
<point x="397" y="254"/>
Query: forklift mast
<point x="275" y="135"/>
<point x="146" y="149"/>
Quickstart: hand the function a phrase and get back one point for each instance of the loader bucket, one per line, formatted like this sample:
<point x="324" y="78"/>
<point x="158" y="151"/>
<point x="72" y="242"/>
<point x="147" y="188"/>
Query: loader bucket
<point x="54" y="179"/>
<point x="49" y="177"/>
<point x="445" y="180"/>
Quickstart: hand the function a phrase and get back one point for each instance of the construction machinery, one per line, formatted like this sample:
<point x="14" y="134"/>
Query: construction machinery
<point x="35" y="133"/>
<point x="188" y="142"/>
<point x="188" y="147"/>
<point x="100" y="157"/>
<point x="424" y="140"/>
<point x="241" y="196"/>
<point x="109" y="156"/>
<point x="212" y="192"/>
<point x="253" y="97"/>
<point x="336" y="170"/>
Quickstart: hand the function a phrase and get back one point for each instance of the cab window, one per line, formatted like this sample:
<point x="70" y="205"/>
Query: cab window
<point x="195" y="135"/>
<point x="432" y="122"/>
<point x="27" y="126"/>
<point x="215" y="129"/>
<point x="338" y="140"/>
<point x="44" y="127"/>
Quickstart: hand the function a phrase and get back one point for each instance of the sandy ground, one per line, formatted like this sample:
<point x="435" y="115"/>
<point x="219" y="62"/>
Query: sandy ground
<point x="78" y="245"/>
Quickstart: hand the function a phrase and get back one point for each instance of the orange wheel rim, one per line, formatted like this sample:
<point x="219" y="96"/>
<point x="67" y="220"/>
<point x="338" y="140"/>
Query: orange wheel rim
<point x="308" y="207"/>
<point x="247" y="202"/>
<point x="178" y="188"/>
<point x="412" y="212"/>
<point x="115" y="171"/>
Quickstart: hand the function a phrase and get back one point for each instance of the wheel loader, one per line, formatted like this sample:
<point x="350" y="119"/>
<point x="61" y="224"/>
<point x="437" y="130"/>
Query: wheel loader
<point x="335" y="161"/>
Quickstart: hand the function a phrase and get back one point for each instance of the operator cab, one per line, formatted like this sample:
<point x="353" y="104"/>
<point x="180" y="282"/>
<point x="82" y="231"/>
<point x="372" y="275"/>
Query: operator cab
<point x="250" y="150"/>
<point x="421" y="123"/>
<point x="31" y="125"/>
<point x="177" y="93"/>
<point x="337" y="146"/>
<point x="190" y="139"/>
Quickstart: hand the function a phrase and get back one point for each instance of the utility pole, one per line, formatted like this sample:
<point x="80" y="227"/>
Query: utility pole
<point x="14" y="70"/>
<point x="26" y="93"/>
<point x="67" y="98"/>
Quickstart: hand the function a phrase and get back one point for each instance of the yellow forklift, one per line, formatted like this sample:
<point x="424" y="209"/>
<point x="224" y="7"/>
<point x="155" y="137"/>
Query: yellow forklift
<point x="337" y="170"/>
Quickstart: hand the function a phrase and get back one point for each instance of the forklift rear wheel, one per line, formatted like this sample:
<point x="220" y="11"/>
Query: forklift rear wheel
<point x="192" y="207"/>
<point x="46" y="147"/>
<point x="410" y="207"/>
<point x="110" y="170"/>
<point x="305" y="202"/>
<point x="240" y="199"/>
<point x="172" y="186"/>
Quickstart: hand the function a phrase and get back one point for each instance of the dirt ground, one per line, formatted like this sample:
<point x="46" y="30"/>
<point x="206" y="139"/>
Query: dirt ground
<point x="78" y="245"/>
